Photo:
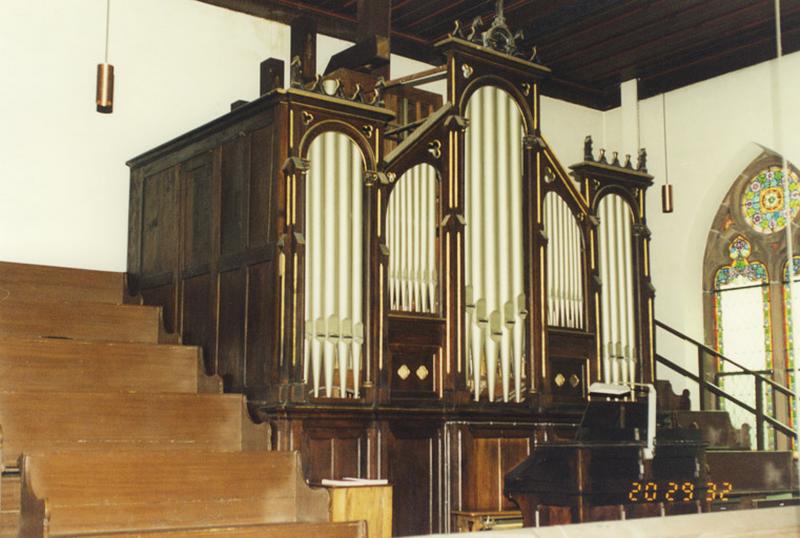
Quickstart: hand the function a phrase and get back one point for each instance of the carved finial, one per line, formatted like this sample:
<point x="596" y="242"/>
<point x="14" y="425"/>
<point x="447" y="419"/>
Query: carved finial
<point x="602" y="158"/>
<point x="316" y="86"/>
<point x="476" y="23"/>
<point x="615" y="160"/>
<point x="380" y="87"/>
<point x="458" y="31"/>
<point x="588" y="155"/>
<point x="357" y="96"/>
<point x="628" y="164"/>
<point x="296" y="72"/>
<point x="642" y="165"/>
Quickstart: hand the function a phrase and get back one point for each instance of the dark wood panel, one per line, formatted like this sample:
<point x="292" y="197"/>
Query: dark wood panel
<point x="165" y="297"/>
<point x="199" y="317"/>
<point x="234" y="206"/>
<point x="413" y="370"/>
<point x="230" y="359"/>
<point x="413" y="453"/>
<point x="197" y="201"/>
<point x="262" y="187"/>
<point x="487" y="455"/>
<point x="261" y="368"/>
<point x="336" y="449"/>
<point x="135" y="229"/>
<point x="160" y="223"/>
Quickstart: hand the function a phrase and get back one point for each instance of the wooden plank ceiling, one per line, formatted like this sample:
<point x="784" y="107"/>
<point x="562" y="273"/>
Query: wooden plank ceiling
<point x="591" y="45"/>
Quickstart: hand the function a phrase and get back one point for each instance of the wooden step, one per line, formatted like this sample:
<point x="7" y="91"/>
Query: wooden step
<point x="10" y="492"/>
<point x="95" y="492"/>
<point x="83" y="321"/>
<point x="350" y="529"/>
<point x="39" y="283"/>
<point x="33" y="421"/>
<point x="751" y="471"/>
<point x="9" y="523"/>
<point x="715" y="428"/>
<point x="54" y="365"/>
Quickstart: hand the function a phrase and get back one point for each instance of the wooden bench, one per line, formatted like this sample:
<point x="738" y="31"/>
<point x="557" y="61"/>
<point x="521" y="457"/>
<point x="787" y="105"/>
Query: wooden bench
<point x="81" y="492"/>
<point x="32" y="421"/>
<point x="351" y="529"/>
<point x="41" y="364"/>
<point x="83" y="321"/>
<point x="37" y="283"/>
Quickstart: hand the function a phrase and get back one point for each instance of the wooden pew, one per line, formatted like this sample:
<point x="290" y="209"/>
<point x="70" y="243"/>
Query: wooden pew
<point x="119" y="421"/>
<point x="48" y="365"/>
<point x="351" y="529"/>
<point x="38" y="283"/>
<point x="83" y="321"/>
<point x="80" y="492"/>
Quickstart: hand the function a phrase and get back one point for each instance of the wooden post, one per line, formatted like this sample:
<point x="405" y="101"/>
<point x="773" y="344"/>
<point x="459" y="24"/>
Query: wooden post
<point x="759" y="413"/>
<point x="701" y="377"/>
<point x="304" y="46"/>
<point x="374" y="19"/>
<point x="271" y="75"/>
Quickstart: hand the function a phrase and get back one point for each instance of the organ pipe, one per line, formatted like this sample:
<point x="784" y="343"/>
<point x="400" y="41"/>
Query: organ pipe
<point x="411" y="238"/>
<point x="564" y="265"/>
<point x="615" y="242"/>
<point x="495" y="300"/>
<point x="334" y="271"/>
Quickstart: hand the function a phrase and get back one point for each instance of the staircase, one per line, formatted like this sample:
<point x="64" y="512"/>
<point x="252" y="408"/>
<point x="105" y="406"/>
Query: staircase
<point x="755" y="477"/>
<point x="81" y="370"/>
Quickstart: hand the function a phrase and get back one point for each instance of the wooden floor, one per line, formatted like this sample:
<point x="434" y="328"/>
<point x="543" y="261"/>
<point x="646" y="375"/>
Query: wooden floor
<point x="110" y="426"/>
<point x="762" y="523"/>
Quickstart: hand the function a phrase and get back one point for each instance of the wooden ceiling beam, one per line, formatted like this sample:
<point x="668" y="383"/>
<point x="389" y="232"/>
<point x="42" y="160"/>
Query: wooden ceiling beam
<point x="686" y="54"/>
<point x="656" y="39"/>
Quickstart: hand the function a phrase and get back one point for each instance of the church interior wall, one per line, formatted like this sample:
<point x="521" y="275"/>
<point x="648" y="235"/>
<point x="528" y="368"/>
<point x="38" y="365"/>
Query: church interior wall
<point x="715" y="128"/>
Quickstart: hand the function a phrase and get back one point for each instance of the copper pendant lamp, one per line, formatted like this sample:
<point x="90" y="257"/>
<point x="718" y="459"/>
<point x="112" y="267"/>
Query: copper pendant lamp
<point x="105" y="76"/>
<point x="666" y="188"/>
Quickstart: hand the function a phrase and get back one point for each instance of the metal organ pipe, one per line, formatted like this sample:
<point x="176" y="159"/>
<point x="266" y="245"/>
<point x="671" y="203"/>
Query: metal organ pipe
<point x="334" y="270"/>
<point x="564" y="267"/>
<point x="615" y="240"/>
<point x="411" y="238"/>
<point x="495" y="301"/>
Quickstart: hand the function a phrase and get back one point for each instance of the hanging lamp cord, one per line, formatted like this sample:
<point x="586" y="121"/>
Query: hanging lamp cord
<point x="108" y="18"/>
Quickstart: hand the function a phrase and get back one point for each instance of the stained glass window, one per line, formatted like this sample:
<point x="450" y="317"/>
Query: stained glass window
<point x="791" y="306"/>
<point x="763" y="204"/>
<point x="742" y="316"/>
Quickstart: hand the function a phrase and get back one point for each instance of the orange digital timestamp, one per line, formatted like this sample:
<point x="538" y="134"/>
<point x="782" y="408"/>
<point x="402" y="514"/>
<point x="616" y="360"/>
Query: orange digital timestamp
<point x="677" y="492"/>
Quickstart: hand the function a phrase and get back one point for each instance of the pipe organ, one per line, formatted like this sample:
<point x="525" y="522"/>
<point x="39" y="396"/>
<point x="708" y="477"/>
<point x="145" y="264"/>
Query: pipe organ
<point x="411" y="240"/>
<point x="565" y="300"/>
<point x="616" y="273"/>
<point x="334" y="327"/>
<point x="495" y="302"/>
<point x="414" y="301"/>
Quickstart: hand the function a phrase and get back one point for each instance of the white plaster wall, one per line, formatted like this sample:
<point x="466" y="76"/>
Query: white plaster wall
<point x="179" y="63"/>
<point x="714" y="130"/>
<point x="63" y="179"/>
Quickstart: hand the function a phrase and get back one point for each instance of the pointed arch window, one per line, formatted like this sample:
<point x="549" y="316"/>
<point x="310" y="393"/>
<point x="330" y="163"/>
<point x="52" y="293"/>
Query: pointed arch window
<point x="742" y="319"/>
<point x="746" y="275"/>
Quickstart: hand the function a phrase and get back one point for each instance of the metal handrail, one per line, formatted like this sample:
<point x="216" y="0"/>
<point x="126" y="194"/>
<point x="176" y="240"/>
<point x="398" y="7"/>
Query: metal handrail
<point x="718" y="391"/>
<point x="706" y="349"/>
<point x="706" y="386"/>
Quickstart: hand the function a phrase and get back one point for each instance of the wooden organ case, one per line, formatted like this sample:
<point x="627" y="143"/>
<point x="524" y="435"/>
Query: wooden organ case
<point x="419" y="297"/>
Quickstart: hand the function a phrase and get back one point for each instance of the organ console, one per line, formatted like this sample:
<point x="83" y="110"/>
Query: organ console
<point x="605" y="472"/>
<point x="405" y="285"/>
